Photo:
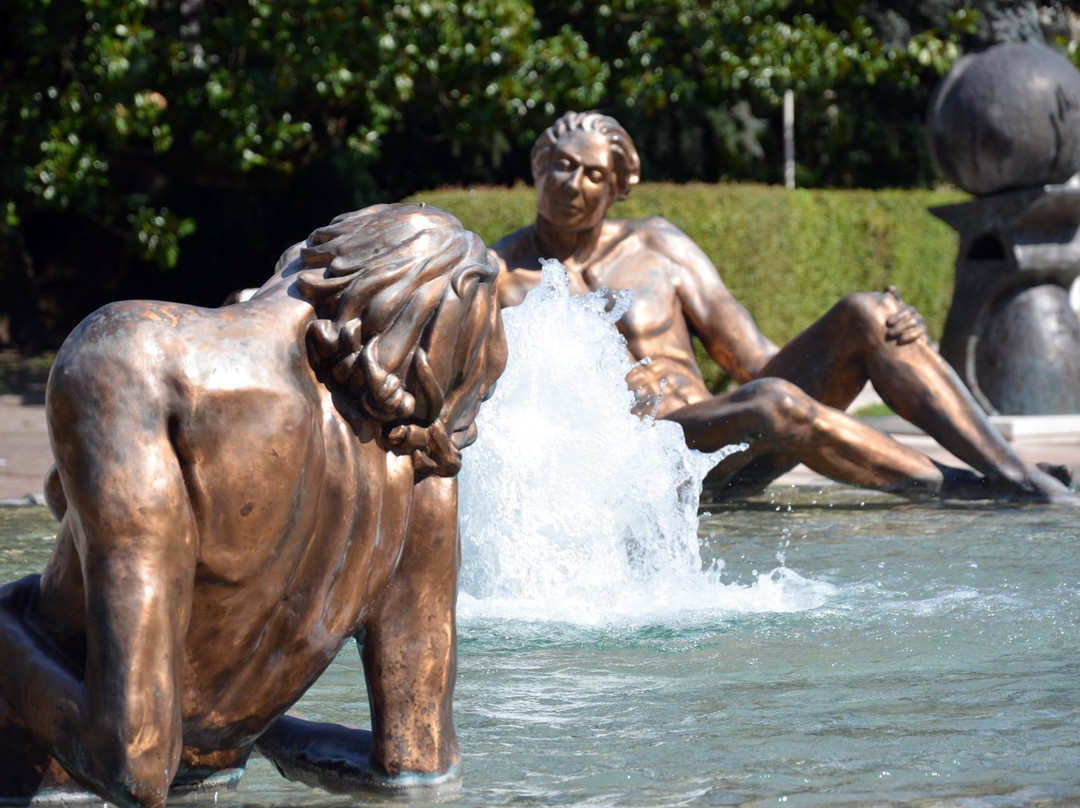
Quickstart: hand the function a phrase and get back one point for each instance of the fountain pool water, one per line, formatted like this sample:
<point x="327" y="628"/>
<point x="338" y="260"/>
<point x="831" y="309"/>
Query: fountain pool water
<point x="937" y="665"/>
<point x="808" y="647"/>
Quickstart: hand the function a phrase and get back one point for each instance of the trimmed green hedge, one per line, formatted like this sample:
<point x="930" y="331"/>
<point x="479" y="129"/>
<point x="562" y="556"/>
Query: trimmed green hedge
<point x="787" y="255"/>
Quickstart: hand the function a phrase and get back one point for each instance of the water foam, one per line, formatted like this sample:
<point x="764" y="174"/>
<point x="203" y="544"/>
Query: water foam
<point x="572" y="508"/>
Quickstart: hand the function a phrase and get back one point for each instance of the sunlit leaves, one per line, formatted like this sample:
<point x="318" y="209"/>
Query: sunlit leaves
<point x="701" y="76"/>
<point x="107" y="102"/>
<point x="157" y="234"/>
<point x="112" y="99"/>
<point x="685" y="51"/>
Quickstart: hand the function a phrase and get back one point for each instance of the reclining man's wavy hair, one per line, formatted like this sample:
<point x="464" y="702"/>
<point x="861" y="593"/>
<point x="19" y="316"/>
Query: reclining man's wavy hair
<point x="623" y="151"/>
<point x="407" y="331"/>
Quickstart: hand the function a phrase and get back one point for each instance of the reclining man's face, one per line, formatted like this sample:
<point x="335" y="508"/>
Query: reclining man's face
<point x="578" y="185"/>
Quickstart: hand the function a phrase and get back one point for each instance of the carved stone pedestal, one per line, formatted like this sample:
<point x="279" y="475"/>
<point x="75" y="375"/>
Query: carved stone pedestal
<point x="1011" y="332"/>
<point x="1004" y="125"/>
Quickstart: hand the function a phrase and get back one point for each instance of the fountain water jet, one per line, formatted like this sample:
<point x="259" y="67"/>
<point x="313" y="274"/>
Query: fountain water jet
<point x="574" y="509"/>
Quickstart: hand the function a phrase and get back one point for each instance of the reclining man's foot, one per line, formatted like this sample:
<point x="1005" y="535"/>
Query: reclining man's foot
<point x="1061" y="471"/>
<point x="1036" y="486"/>
<point x="1039" y="486"/>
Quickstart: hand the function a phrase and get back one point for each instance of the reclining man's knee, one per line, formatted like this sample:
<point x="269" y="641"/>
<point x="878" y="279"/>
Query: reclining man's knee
<point x="783" y="408"/>
<point x="866" y="312"/>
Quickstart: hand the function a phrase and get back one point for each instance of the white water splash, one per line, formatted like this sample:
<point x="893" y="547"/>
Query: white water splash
<point x="572" y="508"/>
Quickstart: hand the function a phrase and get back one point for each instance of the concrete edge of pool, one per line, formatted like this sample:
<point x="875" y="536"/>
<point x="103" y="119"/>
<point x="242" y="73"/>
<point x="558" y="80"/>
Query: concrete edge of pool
<point x="25" y="453"/>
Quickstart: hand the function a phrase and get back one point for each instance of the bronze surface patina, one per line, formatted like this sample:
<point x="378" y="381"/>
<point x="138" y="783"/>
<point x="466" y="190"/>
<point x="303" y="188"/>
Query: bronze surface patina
<point x="790" y="407"/>
<point x="241" y="491"/>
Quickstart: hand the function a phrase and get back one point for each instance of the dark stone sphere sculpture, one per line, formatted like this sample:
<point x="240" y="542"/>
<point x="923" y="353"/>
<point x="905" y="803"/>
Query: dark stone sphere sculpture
<point x="1008" y="117"/>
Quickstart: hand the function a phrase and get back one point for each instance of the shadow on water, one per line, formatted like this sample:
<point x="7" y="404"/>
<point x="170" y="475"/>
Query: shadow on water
<point x="835" y="497"/>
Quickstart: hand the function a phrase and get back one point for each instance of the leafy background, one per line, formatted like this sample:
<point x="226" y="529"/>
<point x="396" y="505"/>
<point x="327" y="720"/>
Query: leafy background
<point x="159" y="149"/>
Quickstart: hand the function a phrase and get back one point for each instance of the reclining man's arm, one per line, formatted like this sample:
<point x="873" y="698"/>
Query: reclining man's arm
<point x="724" y="326"/>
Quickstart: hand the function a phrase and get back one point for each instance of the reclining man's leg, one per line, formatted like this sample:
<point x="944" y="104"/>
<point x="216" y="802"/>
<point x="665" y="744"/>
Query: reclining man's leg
<point x="784" y="426"/>
<point x="874" y="337"/>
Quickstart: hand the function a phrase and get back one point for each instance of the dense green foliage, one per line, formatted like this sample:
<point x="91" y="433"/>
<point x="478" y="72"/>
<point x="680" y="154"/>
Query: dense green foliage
<point x="788" y="256"/>
<point x="130" y="126"/>
<point x="161" y="149"/>
<point x="700" y="86"/>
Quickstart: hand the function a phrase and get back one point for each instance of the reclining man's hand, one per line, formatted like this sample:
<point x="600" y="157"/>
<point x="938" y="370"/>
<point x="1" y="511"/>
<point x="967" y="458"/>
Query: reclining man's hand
<point x="906" y="325"/>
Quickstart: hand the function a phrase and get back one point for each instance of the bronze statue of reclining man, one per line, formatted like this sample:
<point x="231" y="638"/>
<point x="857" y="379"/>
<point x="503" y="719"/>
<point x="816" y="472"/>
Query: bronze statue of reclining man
<point x="790" y="407"/>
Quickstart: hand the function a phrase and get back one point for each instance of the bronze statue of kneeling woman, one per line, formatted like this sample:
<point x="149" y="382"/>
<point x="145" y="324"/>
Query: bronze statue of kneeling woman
<point x="241" y="491"/>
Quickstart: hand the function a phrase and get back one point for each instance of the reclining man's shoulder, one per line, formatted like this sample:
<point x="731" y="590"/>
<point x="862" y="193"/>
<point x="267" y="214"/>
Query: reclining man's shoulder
<point x="659" y="236"/>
